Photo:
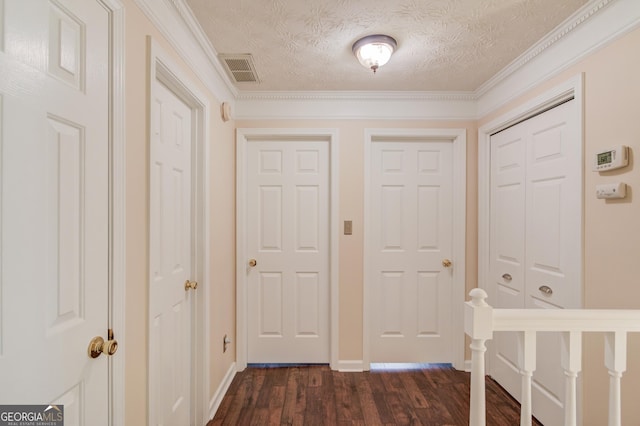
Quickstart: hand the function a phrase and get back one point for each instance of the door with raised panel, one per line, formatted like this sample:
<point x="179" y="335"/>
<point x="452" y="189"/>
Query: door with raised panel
<point x="54" y="220"/>
<point x="171" y="291"/>
<point x="288" y="242"/>
<point x="536" y="184"/>
<point x="411" y="235"/>
<point x="507" y="247"/>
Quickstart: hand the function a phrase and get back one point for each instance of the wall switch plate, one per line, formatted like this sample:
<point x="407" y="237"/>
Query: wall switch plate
<point x="348" y="227"/>
<point x="611" y="190"/>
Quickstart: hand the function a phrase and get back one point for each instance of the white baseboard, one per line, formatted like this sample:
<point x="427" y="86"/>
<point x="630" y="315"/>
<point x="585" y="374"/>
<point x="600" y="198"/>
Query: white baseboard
<point x="350" y="366"/>
<point x="222" y="390"/>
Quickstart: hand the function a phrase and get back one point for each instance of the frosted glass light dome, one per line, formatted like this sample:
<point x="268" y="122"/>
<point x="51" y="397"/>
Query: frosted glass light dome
<point x="374" y="51"/>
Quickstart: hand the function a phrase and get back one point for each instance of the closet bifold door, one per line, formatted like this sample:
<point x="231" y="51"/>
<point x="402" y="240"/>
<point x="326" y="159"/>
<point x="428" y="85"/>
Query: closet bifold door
<point x="535" y="242"/>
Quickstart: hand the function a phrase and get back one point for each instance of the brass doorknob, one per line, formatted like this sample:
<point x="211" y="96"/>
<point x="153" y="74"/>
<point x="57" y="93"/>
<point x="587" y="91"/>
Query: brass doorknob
<point x="188" y="285"/>
<point x="253" y="262"/>
<point x="97" y="346"/>
<point x="446" y="263"/>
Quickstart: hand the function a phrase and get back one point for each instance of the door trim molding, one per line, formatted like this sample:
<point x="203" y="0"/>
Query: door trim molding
<point x="243" y="138"/>
<point x="459" y="139"/>
<point x="165" y="71"/>
<point x="117" y="210"/>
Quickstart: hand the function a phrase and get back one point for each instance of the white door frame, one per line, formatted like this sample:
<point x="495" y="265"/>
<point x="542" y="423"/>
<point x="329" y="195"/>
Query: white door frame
<point x="458" y="137"/>
<point x="243" y="138"/>
<point x="164" y="71"/>
<point x="573" y="88"/>
<point x="117" y="210"/>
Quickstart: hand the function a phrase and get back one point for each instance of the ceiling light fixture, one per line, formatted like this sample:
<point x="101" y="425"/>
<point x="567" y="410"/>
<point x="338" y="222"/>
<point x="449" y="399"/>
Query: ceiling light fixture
<point x="374" y="51"/>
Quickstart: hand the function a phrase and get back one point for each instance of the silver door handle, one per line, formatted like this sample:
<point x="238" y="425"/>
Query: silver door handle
<point x="546" y="290"/>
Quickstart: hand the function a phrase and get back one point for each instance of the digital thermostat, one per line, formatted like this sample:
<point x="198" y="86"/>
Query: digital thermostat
<point x="611" y="159"/>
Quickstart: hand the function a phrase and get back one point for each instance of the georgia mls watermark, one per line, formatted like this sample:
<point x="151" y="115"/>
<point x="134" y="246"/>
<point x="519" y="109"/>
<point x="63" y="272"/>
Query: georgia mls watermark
<point x="31" y="415"/>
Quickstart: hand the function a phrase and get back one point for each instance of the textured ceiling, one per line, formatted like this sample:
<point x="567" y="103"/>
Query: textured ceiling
<point x="443" y="45"/>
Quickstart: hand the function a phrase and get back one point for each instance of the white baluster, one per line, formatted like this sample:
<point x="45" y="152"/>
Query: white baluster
<point x="477" y="408"/>
<point x="572" y="365"/>
<point x="527" y="362"/>
<point x="615" y="359"/>
<point x="479" y="326"/>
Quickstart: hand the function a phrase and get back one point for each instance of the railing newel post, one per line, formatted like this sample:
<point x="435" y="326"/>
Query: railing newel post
<point x="479" y="326"/>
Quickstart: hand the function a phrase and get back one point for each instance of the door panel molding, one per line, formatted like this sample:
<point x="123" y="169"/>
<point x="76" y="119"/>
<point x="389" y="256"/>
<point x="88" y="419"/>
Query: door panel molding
<point x="109" y="111"/>
<point x="459" y="140"/>
<point x="163" y="70"/>
<point x="243" y="138"/>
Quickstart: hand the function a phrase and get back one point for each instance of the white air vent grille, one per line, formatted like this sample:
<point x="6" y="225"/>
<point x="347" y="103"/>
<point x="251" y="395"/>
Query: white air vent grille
<point x="240" y="68"/>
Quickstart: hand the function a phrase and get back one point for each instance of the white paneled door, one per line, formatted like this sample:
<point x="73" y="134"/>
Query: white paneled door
<point x="410" y="237"/>
<point x="54" y="153"/>
<point x="171" y="289"/>
<point x="288" y="247"/>
<point x="535" y="242"/>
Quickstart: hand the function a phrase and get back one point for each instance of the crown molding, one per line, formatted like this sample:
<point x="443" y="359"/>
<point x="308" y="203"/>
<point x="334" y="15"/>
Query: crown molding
<point x="356" y="95"/>
<point x="579" y="17"/>
<point x="596" y="24"/>
<point x="355" y="105"/>
<point x="175" y="21"/>
<point x="363" y="106"/>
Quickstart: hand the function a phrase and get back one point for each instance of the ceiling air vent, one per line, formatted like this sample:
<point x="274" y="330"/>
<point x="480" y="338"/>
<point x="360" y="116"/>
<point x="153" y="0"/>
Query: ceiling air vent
<point x="240" y="67"/>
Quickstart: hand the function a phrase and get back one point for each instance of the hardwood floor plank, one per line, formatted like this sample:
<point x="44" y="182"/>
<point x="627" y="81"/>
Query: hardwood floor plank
<point x="315" y="376"/>
<point x="378" y="390"/>
<point x="314" y="414"/>
<point x="436" y="395"/>
<point x="236" y="404"/>
<point x="368" y="405"/>
<point x="292" y="390"/>
<point x="347" y="399"/>
<point x="252" y="386"/>
<point x="417" y="397"/>
<point x="301" y="397"/>
<point x="400" y="399"/>
<point x="435" y="403"/>
<point x="328" y="397"/>
<point x="400" y="413"/>
<point x="275" y="405"/>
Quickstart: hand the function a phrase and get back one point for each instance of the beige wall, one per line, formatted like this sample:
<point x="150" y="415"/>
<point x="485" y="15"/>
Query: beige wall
<point x="611" y="228"/>
<point x="351" y="139"/>
<point x="222" y="285"/>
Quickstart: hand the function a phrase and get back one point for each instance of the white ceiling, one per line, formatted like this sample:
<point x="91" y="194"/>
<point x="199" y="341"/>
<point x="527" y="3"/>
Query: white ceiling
<point x="443" y="45"/>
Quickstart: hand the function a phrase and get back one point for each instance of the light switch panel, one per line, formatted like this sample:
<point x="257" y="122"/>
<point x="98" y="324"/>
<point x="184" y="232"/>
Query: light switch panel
<point x="348" y="227"/>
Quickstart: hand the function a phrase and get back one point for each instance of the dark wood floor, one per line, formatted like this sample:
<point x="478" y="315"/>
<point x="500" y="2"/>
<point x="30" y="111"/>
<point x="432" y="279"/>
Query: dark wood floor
<point x="315" y="395"/>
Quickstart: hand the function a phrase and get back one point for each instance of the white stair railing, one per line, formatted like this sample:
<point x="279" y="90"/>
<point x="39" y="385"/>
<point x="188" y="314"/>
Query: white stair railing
<point x="481" y="320"/>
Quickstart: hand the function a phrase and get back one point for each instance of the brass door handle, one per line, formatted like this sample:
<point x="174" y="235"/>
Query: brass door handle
<point x="446" y="263"/>
<point x="98" y="345"/>
<point x="507" y="277"/>
<point x="188" y="285"/>
<point x="253" y="262"/>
